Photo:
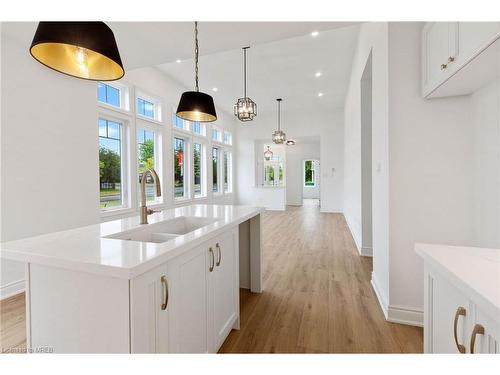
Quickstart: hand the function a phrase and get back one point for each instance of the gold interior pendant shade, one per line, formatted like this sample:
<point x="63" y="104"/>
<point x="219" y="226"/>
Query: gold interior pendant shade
<point x="85" y="50"/>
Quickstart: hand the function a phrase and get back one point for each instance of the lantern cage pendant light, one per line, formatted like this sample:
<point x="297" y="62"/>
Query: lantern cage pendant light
<point x="196" y="106"/>
<point x="84" y="50"/>
<point x="245" y="108"/>
<point x="268" y="154"/>
<point x="279" y="136"/>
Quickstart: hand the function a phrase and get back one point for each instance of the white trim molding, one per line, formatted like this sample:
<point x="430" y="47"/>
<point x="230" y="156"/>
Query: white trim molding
<point x="366" y="251"/>
<point x="380" y="296"/>
<point x="331" y="210"/>
<point x="11" y="289"/>
<point x="354" y="234"/>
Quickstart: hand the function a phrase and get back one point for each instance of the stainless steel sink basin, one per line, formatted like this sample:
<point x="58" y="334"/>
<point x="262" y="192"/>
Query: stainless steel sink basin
<point x="163" y="231"/>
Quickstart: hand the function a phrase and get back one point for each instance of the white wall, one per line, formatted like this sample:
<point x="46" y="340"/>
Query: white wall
<point x="431" y="168"/>
<point x="295" y="156"/>
<point x="330" y="131"/>
<point x="49" y="151"/>
<point x="372" y="38"/>
<point x="486" y="123"/>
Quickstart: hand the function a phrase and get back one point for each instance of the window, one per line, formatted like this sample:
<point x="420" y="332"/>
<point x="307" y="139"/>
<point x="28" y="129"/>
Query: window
<point x="309" y="173"/>
<point x="110" y="165"/>
<point x="215" y="166"/>
<point x="146" y="159"/>
<point x="198" y="170"/>
<point x="177" y="122"/>
<point x="179" y="168"/>
<point x="269" y="175"/>
<point x="197" y="128"/>
<point x="215" y="134"/>
<point x="227" y="172"/>
<point x="108" y="94"/>
<point x="146" y="108"/>
<point x="228" y="139"/>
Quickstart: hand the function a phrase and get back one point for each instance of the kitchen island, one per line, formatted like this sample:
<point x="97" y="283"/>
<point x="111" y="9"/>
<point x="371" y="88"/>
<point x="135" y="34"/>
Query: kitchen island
<point x="171" y="286"/>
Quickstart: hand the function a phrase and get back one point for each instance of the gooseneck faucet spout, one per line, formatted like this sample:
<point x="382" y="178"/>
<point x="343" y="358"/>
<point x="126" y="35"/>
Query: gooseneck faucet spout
<point x="145" y="211"/>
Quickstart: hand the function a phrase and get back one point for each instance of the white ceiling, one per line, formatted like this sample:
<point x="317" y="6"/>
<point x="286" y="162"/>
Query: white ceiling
<point x="284" y="68"/>
<point x="282" y="59"/>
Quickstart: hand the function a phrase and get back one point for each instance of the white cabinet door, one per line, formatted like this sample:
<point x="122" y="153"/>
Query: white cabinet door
<point x="188" y="301"/>
<point x="446" y="300"/>
<point x="224" y="288"/>
<point x="149" y="312"/>
<point x="437" y="48"/>
<point x="473" y="36"/>
<point x="487" y="340"/>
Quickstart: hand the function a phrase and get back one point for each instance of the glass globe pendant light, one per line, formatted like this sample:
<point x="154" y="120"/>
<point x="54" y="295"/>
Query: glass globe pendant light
<point x="279" y="136"/>
<point x="268" y="154"/>
<point x="196" y="106"/>
<point x="84" y="50"/>
<point x="245" y="108"/>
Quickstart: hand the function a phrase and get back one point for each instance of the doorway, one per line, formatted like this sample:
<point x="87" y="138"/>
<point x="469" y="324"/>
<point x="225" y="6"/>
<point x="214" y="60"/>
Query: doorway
<point x="366" y="160"/>
<point x="310" y="182"/>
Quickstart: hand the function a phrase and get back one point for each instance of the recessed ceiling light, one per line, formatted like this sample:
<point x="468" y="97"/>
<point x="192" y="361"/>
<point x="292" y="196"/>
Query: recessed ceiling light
<point x="320" y="94"/>
<point x="290" y="142"/>
<point x="178" y="61"/>
<point x="318" y="74"/>
<point x="215" y="89"/>
<point x="314" y="33"/>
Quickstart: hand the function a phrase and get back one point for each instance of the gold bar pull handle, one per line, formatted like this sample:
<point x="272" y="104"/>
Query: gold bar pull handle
<point x="212" y="260"/>
<point x="165" y="292"/>
<point x="460" y="312"/>
<point x="219" y="254"/>
<point x="478" y="330"/>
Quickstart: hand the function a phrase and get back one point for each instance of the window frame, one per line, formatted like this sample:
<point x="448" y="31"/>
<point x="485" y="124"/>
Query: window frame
<point x="187" y="167"/>
<point x="314" y="177"/>
<point x="229" y="172"/>
<point x="204" y="174"/>
<point x="127" y="205"/>
<point x="157" y="109"/>
<point x="124" y="97"/>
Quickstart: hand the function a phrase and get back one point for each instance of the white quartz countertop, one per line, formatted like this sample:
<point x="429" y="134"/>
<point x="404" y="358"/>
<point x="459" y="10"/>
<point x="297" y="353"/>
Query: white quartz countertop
<point x="85" y="249"/>
<point x="476" y="271"/>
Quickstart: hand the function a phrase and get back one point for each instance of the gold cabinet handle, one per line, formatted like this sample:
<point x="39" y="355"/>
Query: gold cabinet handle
<point x="165" y="292"/>
<point x="219" y="254"/>
<point x="460" y="312"/>
<point x="443" y="66"/>
<point x="212" y="260"/>
<point x="478" y="330"/>
<point x="451" y="59"/>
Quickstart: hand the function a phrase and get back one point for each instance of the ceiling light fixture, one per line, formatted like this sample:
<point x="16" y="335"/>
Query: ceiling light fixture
<point x="84" y="50"/>
<point x="178" y="61"/>
<point x="268" y="154"/>
<point x="245" y="108"/>
<point x="215" y="89"/>
<point x="196" y="105"/>
<point x="320" y="94"/>
<point x="290" y="142"/>
<point x="279" y="135"/>
<point x="318" y="74"/>
<point x="315" y="33"/>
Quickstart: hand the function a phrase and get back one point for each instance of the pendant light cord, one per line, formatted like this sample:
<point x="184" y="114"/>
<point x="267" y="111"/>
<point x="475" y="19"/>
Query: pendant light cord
<point x="279" y="114"/>
<point x="245" y="71"/>
<point x="196" y="51"/>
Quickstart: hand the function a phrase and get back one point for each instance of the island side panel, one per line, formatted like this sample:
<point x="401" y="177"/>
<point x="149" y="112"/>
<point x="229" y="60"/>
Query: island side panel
<point x="244" y="250"/>
<point x="256" y="254"/>
<point x="78" y="312"/>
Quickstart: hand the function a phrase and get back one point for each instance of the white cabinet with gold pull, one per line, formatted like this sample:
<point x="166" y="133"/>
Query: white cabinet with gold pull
<point x="461" y="299"/>
<point x="447" y="48"/>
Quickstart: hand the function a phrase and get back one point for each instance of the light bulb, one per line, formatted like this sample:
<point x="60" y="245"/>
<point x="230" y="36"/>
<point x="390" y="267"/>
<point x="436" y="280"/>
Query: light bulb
<point x="81" y="60"/>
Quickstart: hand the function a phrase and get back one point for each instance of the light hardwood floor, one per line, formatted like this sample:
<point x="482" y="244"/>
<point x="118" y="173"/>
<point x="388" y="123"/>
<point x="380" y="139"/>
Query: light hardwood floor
<point x="317" y="295"/>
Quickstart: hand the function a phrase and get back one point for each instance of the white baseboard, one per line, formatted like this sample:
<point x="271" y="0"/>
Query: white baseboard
<point x="10" y="289"/>
<point x="366" y="251"/>
<point x="331" y="210"/>
<point x="397" y="314"/>
<point x="353" y="233"/>
<point x="380" y="296"/>
<point x="405" y="315"/>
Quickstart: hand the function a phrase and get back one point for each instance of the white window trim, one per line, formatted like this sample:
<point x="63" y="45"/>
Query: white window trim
<point x="126" y="163"/>
<point x="158" y="115"/>
<point x="204" y="174"/>
<point x="124" y="97"/>
<point x="304" y="174"/>
<point x="187" y="166"/>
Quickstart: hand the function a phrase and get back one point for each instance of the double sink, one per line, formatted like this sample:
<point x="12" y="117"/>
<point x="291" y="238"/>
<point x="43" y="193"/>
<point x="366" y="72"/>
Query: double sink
<point x="163" y="231"/>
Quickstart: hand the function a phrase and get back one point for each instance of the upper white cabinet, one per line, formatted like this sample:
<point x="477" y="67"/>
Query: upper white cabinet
<point x="449" y="47"/>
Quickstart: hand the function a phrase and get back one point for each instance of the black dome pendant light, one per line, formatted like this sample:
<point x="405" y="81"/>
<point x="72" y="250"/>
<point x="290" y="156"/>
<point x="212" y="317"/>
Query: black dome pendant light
<point x="84" y="50"/>
<point x="195" y="105"/>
